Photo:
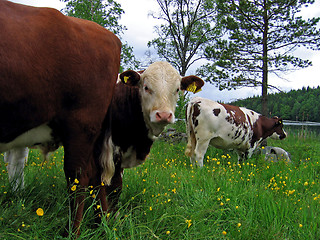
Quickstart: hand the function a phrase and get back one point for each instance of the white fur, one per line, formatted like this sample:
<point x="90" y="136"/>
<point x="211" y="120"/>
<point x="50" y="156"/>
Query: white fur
<point x="41" y="134"/>
<point x="15" y="160"/>
<point x="106" y="161"/>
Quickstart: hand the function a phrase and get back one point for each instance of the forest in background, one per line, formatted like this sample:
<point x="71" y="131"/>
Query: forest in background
<point x="296" y="105"/>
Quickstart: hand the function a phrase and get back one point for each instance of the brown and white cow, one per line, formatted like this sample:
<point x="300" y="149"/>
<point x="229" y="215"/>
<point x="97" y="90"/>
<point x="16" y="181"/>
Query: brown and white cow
<point x="226" y="127"/>
<point x="138" y="114"/>
<point x="57" y="76"/>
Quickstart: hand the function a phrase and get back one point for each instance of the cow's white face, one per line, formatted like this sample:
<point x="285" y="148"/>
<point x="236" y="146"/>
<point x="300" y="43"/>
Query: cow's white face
<point x="159" y="87"/>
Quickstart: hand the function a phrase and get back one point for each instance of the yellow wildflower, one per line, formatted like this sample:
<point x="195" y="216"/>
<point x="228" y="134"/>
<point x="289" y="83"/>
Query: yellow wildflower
<point x="40" y="212"/>
<point x="291" y="191"/>
<point x="73" y="188"/>
<point x="188" y="222"/>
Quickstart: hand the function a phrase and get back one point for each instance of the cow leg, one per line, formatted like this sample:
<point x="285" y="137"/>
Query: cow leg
<point x="111" y="193"/>
<point x="80" y="169"/>
<point x="200" y="151"/>
<point x="115" y="188"/>
<point x="15" y="160"/>
<point x="190" y="144"/>
<point x="242" y="156"/>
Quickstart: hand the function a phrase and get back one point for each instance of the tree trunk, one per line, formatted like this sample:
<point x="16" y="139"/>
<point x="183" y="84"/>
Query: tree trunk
<point x="264" y="97"/>
<point x="265" y="63"/>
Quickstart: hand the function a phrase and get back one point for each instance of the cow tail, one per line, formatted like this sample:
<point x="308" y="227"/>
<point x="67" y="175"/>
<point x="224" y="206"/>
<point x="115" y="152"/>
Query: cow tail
<point x="106" y="161"/>
<point x="190" y="131"/>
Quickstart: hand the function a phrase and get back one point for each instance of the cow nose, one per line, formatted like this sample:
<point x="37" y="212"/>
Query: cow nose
<point x="163" y="117"/>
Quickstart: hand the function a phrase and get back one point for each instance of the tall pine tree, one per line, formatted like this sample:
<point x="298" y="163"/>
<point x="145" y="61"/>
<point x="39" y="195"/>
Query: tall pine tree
<point x="261" y="38"/>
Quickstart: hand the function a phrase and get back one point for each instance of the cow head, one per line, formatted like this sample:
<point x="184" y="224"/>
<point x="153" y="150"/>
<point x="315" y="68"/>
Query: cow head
<point x="159" y="87"/>
<point x="278" y="132"/>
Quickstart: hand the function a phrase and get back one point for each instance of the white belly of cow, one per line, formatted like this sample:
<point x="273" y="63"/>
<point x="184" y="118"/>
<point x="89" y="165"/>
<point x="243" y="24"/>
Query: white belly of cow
<point x="41" y="134"/>
<point x="229" y="143"/>
<point x="129" y="159"/>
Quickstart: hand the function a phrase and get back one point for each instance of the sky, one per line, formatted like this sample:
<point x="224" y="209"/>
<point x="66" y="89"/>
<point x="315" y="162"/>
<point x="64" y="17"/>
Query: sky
<point x="140" y="25"/>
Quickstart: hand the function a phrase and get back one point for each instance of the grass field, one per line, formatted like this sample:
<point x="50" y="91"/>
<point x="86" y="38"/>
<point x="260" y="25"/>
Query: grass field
<point x="166" y="198"/>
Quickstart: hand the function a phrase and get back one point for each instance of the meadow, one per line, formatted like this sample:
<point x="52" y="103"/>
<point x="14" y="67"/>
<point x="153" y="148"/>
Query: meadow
<point x="167" y="198"/>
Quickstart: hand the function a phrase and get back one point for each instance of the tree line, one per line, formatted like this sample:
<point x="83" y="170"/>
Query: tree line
<point x="296" y="105"/>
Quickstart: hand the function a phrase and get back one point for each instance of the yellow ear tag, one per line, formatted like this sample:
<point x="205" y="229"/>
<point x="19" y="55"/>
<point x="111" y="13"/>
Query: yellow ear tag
<point x="193" y="88"/>
<point x="125" y="79"/>
<point x="199" y="90"/>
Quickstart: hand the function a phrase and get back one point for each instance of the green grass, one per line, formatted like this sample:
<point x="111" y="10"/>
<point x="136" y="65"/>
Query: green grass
<point x="166" y="198"/>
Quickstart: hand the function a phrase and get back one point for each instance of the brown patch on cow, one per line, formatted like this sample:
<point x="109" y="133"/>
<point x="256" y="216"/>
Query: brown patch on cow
<point x="216" y="111"/>
<point x="196" y="113"/>
<point x="236" y="116"/>
<point x="264" y="127"/>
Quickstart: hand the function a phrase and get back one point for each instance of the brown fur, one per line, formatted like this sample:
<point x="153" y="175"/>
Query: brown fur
<point x="62" y="71"/>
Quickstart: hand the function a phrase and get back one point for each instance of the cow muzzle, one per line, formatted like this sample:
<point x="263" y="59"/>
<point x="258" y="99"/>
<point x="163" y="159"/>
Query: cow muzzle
<point x="283" y="135"/>
<point x="279" y="136"/>
<point x="164" y="117"/>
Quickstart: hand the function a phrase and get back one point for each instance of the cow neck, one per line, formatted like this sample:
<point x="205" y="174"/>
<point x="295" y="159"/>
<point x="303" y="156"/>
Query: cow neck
<point x="129" y="128"/>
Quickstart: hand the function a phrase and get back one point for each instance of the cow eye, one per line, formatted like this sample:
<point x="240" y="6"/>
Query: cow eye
<point x="148" y="90"/>
<point x="177" y="90"/>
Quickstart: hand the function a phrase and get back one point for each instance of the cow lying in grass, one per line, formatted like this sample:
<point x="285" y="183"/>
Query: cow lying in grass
<point x="226" y="127"/>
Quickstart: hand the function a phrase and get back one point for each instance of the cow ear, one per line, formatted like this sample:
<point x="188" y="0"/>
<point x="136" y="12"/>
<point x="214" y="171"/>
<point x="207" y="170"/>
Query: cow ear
<point x="130" y="78"/>
<point x="278" y="120"/>
<point x="191" y="84"/>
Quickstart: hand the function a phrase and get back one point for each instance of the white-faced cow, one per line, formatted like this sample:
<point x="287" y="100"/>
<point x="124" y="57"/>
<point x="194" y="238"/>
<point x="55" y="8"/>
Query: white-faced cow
<point x="142" y="105"/>
<point x="57" y="76"/>
<point x="226" y="127"/>
<point x="140" y="113"/>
